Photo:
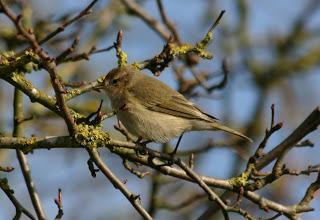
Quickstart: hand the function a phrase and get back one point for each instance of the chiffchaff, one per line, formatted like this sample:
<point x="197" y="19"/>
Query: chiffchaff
<point x="151" y="110"/>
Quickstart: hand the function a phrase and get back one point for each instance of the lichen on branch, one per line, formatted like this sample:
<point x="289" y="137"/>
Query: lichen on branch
<point x="90" y="136"/>
<point x="11" y="62"/>
<point x="173" y="50"/>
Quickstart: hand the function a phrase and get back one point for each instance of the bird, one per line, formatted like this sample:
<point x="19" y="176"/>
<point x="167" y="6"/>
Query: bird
<point x="151" y="110"/>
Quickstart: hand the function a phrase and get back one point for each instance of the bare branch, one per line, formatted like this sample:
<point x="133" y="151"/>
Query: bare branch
<point x="133" y="199"/>
<point x="62" y="27"/>
<point x="134" y="8"/>
<point x="19" y="208"/>
<point x="307" y="126"/>
<point x="23" y="161"/>
<point x="58" y="202"/>
<point x="167" y="22"/>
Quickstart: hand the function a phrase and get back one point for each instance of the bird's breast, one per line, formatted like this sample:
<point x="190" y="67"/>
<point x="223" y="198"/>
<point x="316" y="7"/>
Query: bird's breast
<point x="151" y="125"/>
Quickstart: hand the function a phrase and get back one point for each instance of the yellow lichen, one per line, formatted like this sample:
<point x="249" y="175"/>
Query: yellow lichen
<point x="180" y="50"/>
<point x="187" y="48"/>
<point x="91" y="136"/>
<point x="122" y="58"/>
<point x="244" y="179"/>
<point x="136" y="65"/>
<point x="5" y="57"/>
<point x="4" y="61"/>
<point x="76" y="115"/>
<point x="74" y="92"/>
<point x="8" y="54"/>
<point x="203" y="54"/>
<point x="29" y="145"/>
<point x="29" y="53"/>
<point x="25" y="62"/>
<point x="18" y="78"/>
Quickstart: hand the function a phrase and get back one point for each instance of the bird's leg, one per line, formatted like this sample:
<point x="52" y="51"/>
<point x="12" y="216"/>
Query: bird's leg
<point x="142" y="145"/>
<point x="177" y="145"/>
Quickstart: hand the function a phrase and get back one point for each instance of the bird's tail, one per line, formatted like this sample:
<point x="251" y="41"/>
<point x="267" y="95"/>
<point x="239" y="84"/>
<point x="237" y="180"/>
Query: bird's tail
<point x="222" y="127"/>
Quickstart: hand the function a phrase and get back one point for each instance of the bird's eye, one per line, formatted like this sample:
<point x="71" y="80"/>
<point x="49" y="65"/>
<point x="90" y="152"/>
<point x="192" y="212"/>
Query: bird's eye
<point x="114" y="81"/>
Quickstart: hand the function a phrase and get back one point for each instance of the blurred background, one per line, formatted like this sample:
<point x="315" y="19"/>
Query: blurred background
<point x="272" y="49"/>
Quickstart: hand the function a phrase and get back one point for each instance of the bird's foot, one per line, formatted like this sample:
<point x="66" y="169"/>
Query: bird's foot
<point x="141" y="146"/>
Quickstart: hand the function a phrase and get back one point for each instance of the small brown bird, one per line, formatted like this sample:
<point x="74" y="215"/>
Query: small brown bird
<point x="151" y="110"/>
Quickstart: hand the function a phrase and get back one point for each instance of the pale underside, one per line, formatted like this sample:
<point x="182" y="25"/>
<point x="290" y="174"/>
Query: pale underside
<point x="157" y="126"/>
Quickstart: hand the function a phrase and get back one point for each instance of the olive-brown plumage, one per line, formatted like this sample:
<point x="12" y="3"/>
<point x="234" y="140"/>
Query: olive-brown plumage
<point x="153" y="111"/>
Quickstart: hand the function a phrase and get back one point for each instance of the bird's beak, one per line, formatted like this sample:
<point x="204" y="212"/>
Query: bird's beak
<point x="98" y="87"/>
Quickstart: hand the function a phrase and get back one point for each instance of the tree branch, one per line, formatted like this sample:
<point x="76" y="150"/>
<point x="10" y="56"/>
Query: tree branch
<point x="154" y="160"/>
<point x="23" y="161"/>
<point x="19" y="208"/>
<point x="133" y="199"/>
<point x="307" y="126"/>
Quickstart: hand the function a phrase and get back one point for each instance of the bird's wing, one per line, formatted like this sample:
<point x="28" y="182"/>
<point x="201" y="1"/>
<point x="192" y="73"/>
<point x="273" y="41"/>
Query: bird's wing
<point x="161" y="98"/>
<point x="179" y="106"/>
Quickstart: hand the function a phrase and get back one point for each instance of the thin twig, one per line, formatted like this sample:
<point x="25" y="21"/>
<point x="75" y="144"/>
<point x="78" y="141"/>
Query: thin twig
<point x="67" y="51"/>
<point x="119" y="127"/>
<point x="212" y="195"/>
<point x="122" y="57"/>
<point x="23" y="161"/>
<point x="307" y="126"/>
<point x="223" y="82"/>
<point x="10" y="194"/>
<point x="135" y="8"/>
<point x="189" y="201"/>
<point x="268" y="133"/>
<point x="133" y="199"/>
<point x="62" y="27"/>
<point x="310" y="192"/>
<point x="137" y="173"/>
<point x="58" y="202"/>
<point x="167" y="22"/>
